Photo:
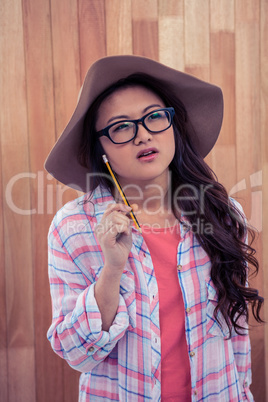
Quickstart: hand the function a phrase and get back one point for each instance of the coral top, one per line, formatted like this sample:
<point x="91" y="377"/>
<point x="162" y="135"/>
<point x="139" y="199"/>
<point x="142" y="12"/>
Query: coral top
<point x="175" y="365"/>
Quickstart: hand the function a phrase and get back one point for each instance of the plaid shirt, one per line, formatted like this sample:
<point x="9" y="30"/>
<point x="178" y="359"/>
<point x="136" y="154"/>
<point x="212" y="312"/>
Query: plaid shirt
<point x="124" y="364"/>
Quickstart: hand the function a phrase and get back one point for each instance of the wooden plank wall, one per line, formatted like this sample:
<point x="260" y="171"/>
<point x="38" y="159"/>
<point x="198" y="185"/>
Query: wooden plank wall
<point x="46" y="47"/>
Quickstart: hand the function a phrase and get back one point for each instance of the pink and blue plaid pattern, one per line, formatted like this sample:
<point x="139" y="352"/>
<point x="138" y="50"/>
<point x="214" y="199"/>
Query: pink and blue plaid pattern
<point x="124" y="364"/>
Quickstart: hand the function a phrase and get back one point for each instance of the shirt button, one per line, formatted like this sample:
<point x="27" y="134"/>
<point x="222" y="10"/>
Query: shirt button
<point x="245" y="384"/>
<point x="91" y="349"/>
<point x="192" y="354"/>
<point x="179" y="267"/>
<point x="188" y="310"/>
<point x="195" y="392"/>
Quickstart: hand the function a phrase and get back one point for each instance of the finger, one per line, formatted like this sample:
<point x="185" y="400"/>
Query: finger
<point x="115" y="231"/>
<point x="119" y="207"/>
<point x="117" y="218"/>
<point x="134" y="207"/>
<point x="113" y="219"/>
<point x="120" y="228"/>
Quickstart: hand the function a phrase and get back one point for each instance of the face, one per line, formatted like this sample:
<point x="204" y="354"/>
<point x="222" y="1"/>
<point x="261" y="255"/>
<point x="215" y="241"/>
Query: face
<point x="147" y="157"/>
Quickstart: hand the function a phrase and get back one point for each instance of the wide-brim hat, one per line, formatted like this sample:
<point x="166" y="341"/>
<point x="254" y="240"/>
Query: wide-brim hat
<point x="203" y="102"/>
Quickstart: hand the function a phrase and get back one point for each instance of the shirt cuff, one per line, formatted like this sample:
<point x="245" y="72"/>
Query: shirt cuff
<point x="91" y="323"/>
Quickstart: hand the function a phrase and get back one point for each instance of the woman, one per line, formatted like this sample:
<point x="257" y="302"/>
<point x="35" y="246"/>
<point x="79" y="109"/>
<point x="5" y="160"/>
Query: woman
<point x="162" y="314"/>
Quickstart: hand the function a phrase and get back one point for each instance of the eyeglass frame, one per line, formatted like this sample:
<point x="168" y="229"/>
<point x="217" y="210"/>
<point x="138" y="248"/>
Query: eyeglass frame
<point x="105" y="131"/>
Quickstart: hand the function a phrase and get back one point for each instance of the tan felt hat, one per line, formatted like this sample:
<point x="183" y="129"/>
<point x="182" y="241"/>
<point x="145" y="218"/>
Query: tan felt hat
<point x="203" y="102"/>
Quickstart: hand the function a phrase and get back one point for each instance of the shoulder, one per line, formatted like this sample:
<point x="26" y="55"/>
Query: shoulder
<point x="79" y="215"/>
<point x="237" y="208"/>
<point x="236" y="205"/>
<point x="238" y="214"/>
<point x="73" y="210"/>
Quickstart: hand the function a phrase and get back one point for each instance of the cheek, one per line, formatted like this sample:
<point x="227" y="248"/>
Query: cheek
<point x="171" y="144"/>
<point x="107" y="147"/>
<point x="115" y="155"/>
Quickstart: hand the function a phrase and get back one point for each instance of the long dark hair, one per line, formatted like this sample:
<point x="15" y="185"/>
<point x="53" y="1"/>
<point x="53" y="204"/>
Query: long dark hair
<point x="231" y="258"/>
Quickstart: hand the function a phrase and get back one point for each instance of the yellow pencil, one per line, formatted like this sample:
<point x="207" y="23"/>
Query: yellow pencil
<point x="121" y="192"/>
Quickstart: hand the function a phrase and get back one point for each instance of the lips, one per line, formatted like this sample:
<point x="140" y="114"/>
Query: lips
<point x="147" y="152"/>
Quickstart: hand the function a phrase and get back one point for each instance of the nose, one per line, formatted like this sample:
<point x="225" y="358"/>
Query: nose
<point x="143" y="135"/>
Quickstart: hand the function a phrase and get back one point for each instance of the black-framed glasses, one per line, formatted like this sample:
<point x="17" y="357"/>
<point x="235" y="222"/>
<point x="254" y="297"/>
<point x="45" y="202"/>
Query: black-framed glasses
<point x="123" y="131"/>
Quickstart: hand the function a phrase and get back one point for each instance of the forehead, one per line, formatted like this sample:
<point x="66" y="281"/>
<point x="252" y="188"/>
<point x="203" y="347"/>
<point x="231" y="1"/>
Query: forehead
<point x="137" y="95"/>
<point x="126" y="103"/>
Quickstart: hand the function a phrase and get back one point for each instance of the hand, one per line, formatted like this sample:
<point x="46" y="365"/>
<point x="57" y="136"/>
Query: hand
<point x="115" y="236"/>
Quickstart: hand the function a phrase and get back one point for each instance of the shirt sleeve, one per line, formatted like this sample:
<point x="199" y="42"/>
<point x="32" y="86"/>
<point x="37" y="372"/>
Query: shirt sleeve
<point x="242" y="355"/>
<point x="76" y="332"/>
<point x="241" y="343"/>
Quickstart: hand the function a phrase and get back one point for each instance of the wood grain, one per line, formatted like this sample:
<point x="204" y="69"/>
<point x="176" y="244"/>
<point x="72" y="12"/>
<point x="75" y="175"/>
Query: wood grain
<point x="145" y="10"/>
<point x="170" y="8"/>
<point x="196" y="33"/>
<point x="171" y="33"/>
<point x="47" y="47"/>
<point x="145" y="28"/>
<point x="118" y="27"/>
<point x="264" y="159"/>
<point x="222" y="15"/>
<point x="247" y="93"/>
<point x="66" y="72"/>
<point x="3" y="306"/>
<point x="247" y="131"/>
<point x="16" y="222"/>
<point x="66" y="61"/>
<point x="66" y="77"/>
<point x="222" y="73"/>
<point x="41" y="128"/>
<point x="92" y="33"/>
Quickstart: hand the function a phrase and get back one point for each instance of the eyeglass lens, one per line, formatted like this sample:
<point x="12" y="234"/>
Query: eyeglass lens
<point x="156" y="121"/>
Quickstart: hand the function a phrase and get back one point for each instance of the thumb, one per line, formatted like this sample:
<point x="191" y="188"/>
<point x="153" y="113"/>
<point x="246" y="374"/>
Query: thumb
<point x="134" y="207"/>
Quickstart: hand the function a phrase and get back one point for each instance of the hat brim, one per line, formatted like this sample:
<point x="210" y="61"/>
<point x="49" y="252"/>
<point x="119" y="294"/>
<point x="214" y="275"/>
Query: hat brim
<point x="203" y="102"/>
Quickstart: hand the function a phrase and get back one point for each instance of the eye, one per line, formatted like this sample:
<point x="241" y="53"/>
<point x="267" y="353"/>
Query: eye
<point x="121" y="126"/>
<point x="156" y="115"/>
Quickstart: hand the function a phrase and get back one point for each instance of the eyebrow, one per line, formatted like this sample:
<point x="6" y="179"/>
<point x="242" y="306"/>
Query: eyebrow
<point x="127" y="117"/>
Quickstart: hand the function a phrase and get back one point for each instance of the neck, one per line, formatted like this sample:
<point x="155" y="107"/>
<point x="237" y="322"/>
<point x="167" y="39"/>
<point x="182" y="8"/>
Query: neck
<point x="152" y="197"/>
